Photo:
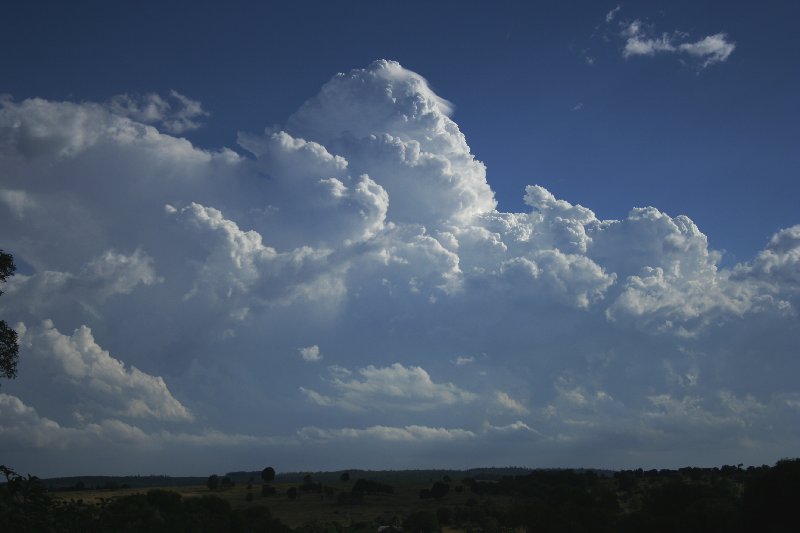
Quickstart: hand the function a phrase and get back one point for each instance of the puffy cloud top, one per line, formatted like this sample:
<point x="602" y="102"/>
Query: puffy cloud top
<point x="396" y="129"/>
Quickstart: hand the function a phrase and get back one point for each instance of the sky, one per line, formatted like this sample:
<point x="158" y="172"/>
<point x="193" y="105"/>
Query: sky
<point x="388" y="235"/>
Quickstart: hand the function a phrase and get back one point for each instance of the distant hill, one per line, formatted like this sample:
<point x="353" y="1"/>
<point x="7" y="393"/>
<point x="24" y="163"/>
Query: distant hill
<point x="117" y="482"/>
<point x="384" y="476"/>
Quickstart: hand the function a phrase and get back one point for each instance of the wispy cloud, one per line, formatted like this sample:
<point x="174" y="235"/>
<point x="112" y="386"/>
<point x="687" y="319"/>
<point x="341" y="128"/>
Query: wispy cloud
<point x="613" y="13"/>
<point x="176" y="113"/>
<point x="509" y="403"/>
<point x="712" y="49"/>
<point x="641" y="41"/>
<point x="411" y="433"/>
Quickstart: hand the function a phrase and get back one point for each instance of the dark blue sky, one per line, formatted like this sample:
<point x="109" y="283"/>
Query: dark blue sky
<point x="720" y="145"/>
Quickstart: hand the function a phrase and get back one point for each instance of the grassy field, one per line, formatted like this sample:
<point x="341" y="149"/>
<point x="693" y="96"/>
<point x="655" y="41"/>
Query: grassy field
<point x="311" y="507"/>
<point x="729" y="498"/>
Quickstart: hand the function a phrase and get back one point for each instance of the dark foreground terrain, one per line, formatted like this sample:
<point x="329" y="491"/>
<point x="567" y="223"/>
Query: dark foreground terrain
<point x="729" y="499"/>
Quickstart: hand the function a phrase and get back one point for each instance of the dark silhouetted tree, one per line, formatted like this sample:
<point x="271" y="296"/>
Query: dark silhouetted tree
<point x="440" y="489"/>
<point x="9" y="349"/>
<point x="771" y="497"/>
<point x="345" y="477"/>
<point x="212" y="482"/>
<point x="268" y="474"/>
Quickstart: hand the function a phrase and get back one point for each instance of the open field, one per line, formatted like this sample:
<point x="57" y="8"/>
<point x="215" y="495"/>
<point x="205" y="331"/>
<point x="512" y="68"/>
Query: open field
<point x="728" y="498"/>
<point x="311" y="507"/>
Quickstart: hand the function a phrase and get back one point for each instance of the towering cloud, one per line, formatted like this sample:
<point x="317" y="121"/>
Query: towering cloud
<point x="367" y="227"/>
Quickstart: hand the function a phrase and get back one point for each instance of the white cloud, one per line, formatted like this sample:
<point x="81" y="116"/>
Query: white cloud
<point x="514" y="429"/>
<point x="463" y="360"/>
<point x="711" y="49"/>
<point x="21" y="423"/>
<point x="509" y="403"/>
<point x="22" y="426"/>
<point x="109" y="274"/>
<point x="640" y="41"/>
<point x="394" y="387"/>
<point x="310" y="353"/>
<point x="396" y="130"/>
<point x="177" y="117"/>
<point x="636" y="46"/>
<point x="95" y="376"/>
<point x="613" y="13"/>
<point x="388" y="433"/>
<point x="777" y="264"/>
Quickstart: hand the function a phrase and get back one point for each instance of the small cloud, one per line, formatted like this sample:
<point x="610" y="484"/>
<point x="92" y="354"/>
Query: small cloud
<point x="641" y="42"/>
<point x="389" y="388"/>
<point x="613" y="13"/>
<point x="515" y="427"/>
<point x="310" y="353"/>
<point x="578" y="106"/>
<point x="175" y="114"/>
<point x="714" y="49"/>
<point x="638" y="44"/>
<point x="464" y="360"/>
<point x="317" y="398"/>
<point x="411" y="433"/>
<point x="510" y="403"/>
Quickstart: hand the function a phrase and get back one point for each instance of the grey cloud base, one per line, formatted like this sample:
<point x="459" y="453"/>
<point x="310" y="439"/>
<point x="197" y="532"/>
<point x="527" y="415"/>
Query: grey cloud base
<point x="349" y="285"/>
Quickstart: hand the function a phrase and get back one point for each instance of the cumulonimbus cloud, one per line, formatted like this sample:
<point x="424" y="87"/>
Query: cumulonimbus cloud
<point x="367" y="226"/>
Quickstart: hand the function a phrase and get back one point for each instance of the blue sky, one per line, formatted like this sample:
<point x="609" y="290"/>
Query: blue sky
<point x="650" y="131"/>
<point x="577" y="248"/>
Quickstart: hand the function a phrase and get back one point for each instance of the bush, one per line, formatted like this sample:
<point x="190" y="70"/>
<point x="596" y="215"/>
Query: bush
<point x="421" y="522"/>
<point x="350" y="498"/>
<point x="771" y="497"/>
<point x="439" y="490"/>
<point x="372" y="487"/>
